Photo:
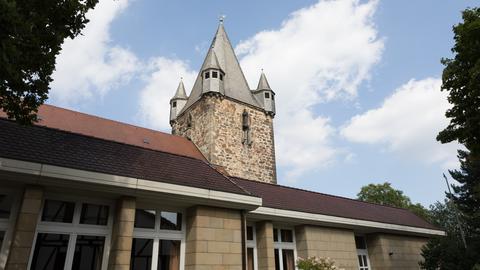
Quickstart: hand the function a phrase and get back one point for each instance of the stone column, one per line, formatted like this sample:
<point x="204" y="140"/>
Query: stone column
<point x="265" y="253"/>
<point x="25" y="227"/>
<point x="213" y="239"/>
<point x="122" y="234"/>
<point x="337" y="244"/>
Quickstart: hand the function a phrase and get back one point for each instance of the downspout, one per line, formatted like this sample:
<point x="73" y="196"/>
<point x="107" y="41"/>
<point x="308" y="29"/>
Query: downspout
<point x="243" y="218"/>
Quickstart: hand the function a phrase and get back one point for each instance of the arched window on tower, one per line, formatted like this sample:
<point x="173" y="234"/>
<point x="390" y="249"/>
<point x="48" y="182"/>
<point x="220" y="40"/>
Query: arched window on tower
<point x="246" y="128"/>
<point x="189" y="120"/>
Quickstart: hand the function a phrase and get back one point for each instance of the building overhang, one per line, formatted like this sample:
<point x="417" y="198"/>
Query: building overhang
<point x="365" y="226"/>
<point x="17" y="171"/>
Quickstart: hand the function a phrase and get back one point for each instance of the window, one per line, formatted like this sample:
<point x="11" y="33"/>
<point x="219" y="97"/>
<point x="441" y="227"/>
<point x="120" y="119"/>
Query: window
<point x="9" y="201"/>
<point x="174" y="104"/>
<point x="207" y="74"/>
<point x="221" y="77"/>
<point x="158" y="240"/>
<point x="267" y="95"/>
<point x="362" y="253"/>
<point x="214" y="74"/>
<point x="284" y="248"/>
<point x="251" y="248"/>
<point x="247" y="139"/>
<point x="72" y="234"/>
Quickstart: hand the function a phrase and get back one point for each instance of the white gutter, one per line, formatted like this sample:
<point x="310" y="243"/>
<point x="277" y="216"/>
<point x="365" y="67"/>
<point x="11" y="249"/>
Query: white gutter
<point x="273" y="212"/>
<point x="138" y="184"/>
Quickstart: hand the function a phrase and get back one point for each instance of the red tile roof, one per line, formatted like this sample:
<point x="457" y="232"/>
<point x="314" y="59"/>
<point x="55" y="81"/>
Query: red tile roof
<point x="76" y="122"/>
<point x="288" y="198"/>
<point x="60" y="148"/>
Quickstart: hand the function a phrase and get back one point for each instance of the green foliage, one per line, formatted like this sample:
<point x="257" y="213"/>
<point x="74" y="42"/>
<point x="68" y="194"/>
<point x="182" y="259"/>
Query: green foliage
<point x="385" y="194"/>
<point x="314" y="263"/>
<point x="31" y="35"/>
<point x="461" y="79"/>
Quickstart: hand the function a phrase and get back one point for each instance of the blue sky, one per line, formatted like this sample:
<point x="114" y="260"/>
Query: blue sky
<point x="357" y="82"/>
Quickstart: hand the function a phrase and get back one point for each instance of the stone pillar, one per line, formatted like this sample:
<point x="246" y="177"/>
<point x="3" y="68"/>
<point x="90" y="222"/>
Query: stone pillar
<point x="337" y="244"/>
<point x="213" y="239"/>
<point x="122" y="234"/>
<point x="387" y="251"/>
<point x="25" y="227"/>
<point x="265" y="253"/>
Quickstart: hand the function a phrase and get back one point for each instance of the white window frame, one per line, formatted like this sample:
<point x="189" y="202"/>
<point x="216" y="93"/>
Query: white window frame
<point x="74" y="228"/>
<point x="285" y="245"/>
<point x="7" y="224"/>
<point x="157" y="234"/>
<point x="253" y="244"/>
<point x="363" y="252"/>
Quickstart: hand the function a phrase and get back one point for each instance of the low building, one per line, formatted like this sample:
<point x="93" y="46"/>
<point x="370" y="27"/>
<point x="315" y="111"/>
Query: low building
<point x="83" y="192"/>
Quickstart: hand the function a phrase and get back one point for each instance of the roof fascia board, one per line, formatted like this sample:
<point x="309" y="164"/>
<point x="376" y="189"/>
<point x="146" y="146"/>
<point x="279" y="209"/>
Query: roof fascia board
<point x="319" y="218"/>
<point x="83" y="176"/>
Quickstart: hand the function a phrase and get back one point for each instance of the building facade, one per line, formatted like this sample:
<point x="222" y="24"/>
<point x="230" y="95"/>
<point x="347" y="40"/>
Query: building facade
<point x="82" y="192"/>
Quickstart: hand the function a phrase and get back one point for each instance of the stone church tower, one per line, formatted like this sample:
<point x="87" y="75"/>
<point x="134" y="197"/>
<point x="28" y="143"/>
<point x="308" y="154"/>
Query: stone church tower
<point x="231" y="124"/>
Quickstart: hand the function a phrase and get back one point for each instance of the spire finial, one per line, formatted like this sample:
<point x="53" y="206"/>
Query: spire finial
<point x="181" y="79"/>
<point x="221" y="18"/>
<point x="262" y="70"/>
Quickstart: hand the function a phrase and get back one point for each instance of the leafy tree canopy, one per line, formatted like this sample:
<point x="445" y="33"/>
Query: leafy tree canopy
<point x="385" y="194"/>
<point x="31" y="35"/>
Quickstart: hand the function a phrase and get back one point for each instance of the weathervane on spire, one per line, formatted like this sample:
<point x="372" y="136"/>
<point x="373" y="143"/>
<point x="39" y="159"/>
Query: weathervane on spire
<point x="222" y="18"/>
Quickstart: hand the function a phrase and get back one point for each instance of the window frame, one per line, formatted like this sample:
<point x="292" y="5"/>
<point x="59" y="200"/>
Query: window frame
<point x="363" y="252"/>
<point x="252" y="244"/>
<point x="158" y="234"/>
<point x="285" y="245"/>
<point x="7" y="224"/>
<point x="74" y="228"/>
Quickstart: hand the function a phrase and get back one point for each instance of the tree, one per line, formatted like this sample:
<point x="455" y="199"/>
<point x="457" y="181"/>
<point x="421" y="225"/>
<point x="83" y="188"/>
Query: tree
<point x="461" y="79"/>
<point x="385" y="194"/>
<point x="31" y="35"/>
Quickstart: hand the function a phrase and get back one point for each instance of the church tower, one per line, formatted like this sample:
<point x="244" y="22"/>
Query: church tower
<point x="231" y="124"/>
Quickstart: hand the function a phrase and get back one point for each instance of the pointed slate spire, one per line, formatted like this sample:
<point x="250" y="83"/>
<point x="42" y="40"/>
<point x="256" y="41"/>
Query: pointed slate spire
<point x="263" y="83"/>
<point x="235" y="85"/>
<point x="180" y="93"/>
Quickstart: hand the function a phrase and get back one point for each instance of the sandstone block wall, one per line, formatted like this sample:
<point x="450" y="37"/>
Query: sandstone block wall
<point x="25" y="228"/>
<point x="122" y="234"/>
<point x="213" y="239"/>
<point x="338" y="244"/>
<point x="406" y="251"/>
<point x="216" y="129"/>
<point x="265" y="253"/>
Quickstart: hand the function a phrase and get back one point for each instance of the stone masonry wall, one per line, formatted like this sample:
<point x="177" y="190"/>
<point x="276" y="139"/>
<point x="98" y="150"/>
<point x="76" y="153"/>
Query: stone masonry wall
<point x="213" y="240"/>
<point x="216" y="129"/>
<point x="338" y="244"/>
<point x="406" y="251"/>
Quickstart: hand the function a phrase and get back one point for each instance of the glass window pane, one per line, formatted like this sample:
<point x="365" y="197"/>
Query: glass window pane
<point x="214" y="74"/>
<point x="88" y="253"/>
<point x="275" y="235"/>
<point x="141" y="258"/>
<point x="267" y="95"/>
<point x="145" y="218"/>
<point x="2" y="236"/>
<point x="6" y="202"/>
<point x="365" y="263"/>
<point x="50" y="251"/>
<point x="207" y="74"/>
<point x="250" y="259"/>
<point x="250" y="233"/>
<point x="171" y="221"/>
<point x="169" y="255"/>
<point x="288" y="259"/>
<point x="360" y="242"/>
<point x="287" y="236"/>
<point x="94" y="214"/>
<point x="58" y="211"/>
<point x="360" y="262"/>
<point x="277" y="260"/>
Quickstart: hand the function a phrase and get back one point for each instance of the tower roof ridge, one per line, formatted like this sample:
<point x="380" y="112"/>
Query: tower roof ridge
<point x="221" y="53"/>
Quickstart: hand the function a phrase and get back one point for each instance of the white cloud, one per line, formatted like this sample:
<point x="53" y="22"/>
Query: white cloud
<point x="407" y="123"/>
<point x="90" y="65"/>
<point x="161" y="82"/>
<point x="319" y="54"/>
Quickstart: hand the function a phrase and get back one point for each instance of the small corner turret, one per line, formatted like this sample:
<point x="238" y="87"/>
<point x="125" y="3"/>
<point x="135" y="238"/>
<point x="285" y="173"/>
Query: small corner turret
<point x="178" y="101"/>
<point x="265" y="95"/>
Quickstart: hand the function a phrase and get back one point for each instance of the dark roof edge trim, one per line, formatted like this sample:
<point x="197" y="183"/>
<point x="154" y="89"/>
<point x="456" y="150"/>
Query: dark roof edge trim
<point x="321" y="218"/>
<point x="82" y="176"/>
